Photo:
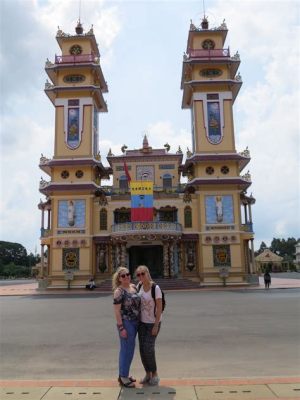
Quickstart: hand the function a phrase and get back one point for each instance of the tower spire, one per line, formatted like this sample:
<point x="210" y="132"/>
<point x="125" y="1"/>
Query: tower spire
<point x="204" y="23"/>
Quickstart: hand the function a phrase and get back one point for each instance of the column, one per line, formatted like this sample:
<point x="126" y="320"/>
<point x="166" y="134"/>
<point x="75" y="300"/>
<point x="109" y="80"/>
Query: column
<point x="123" y="255"/>
<point x="171" y="247"/>
<point x="252" y="268"/>
<point x="166" y="259"/>
<point x="42" y="261"/>
<point x="49" y="219"/>
<point x="245" y="211"/>
<point x="42" y="222"/>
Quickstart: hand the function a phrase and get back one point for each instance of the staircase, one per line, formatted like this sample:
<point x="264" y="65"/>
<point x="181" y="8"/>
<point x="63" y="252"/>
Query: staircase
<point x="165" y="284"/>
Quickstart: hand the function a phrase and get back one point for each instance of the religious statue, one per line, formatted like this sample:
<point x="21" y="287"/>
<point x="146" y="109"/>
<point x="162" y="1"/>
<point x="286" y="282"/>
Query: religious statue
<point x="219" y="208"/>
<point x="71" y="213"/>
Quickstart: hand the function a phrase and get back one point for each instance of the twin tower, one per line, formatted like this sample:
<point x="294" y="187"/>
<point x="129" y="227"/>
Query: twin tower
<point x="201" y="229"/>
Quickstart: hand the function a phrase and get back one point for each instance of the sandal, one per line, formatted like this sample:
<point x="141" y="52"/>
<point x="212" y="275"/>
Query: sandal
<point x="132" y="379"/>
<point x="129" y="384"/>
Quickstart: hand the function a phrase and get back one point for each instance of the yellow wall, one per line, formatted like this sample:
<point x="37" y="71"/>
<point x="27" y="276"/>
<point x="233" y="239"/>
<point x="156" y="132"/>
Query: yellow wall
<point x="197" y="76"/>
<point x="89" y="80"/>
<point x="85" y="44"/>
<point x="199" y="39"/>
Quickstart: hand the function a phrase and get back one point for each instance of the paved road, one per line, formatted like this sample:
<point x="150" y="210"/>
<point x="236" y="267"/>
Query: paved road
<point x="205" y="334"/>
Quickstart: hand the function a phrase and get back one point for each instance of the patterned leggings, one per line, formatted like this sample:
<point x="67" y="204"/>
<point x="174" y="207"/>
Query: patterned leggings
<point x="147" y="346"/>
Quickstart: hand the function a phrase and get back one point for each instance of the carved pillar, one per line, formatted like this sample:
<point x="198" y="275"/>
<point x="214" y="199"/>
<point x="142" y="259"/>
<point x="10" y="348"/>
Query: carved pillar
<point x="117" y="256"/>
<point x="171" y="248"/>
<point x="166" y="259"/>
<point x="123" y="255"/>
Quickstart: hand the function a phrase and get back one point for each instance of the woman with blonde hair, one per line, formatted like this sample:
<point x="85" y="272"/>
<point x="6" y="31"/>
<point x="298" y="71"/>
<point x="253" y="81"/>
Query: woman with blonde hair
<point x="127" y="309"/>
<point x="150" y="321"/>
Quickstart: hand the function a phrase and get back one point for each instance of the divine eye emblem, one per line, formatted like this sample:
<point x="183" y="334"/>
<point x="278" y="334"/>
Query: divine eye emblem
<point x="208" y="44"/>
<point x="74" y="78"/>
<point x="210" y="72"/>
<point x="75" y="50"/>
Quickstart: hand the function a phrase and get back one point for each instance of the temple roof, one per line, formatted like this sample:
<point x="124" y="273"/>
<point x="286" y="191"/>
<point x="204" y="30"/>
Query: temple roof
<point x="268" y="256"/>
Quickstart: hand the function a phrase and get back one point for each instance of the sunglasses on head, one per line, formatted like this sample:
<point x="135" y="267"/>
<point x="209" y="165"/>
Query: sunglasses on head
<point x="140" y="274"/>
<point x="124" y="275"/>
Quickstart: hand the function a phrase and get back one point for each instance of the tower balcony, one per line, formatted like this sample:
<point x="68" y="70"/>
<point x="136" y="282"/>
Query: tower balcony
<point x="77" y="59"/>
<point x="147" y="227"/>
<point x="208" y="53"/>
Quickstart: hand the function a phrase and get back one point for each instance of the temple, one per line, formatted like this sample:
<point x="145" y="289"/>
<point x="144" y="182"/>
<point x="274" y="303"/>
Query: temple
<point x="198" y="223"/>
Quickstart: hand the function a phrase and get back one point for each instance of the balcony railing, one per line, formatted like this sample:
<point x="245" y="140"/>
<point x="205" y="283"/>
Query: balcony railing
<point x="147" y="226"/>
<point x="212" y="53"/>
<point x="72" y="59"/>
<point x="111" y="191"/>
<point x="45" y="232"/>
<point x="248" y="227"/>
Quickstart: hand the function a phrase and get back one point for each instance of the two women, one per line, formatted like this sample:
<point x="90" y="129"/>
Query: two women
<point x="137" y="308"/>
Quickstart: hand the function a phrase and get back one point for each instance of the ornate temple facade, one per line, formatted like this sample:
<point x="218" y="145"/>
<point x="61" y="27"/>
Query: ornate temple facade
<point x="202" y="222"/>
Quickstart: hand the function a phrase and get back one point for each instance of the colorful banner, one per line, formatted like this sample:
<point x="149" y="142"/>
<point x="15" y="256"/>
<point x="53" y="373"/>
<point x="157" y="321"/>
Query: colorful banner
<point x="141" y="200"/>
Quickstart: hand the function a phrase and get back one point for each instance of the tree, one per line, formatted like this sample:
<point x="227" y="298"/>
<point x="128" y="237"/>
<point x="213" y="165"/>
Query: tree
<point x="284" y="248"/>
<point x="262" y="247"/>
<point x="13" y="253"/>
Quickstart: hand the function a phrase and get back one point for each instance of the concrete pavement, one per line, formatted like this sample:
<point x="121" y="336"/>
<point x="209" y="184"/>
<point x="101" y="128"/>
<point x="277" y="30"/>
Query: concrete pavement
<point x="188" y="389"/>
<point x="279" y="387"/>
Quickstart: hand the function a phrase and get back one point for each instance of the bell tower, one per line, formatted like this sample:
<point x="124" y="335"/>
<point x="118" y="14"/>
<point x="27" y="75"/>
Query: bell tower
<point x="75" y="88"/>
<point x="210" y="83"/>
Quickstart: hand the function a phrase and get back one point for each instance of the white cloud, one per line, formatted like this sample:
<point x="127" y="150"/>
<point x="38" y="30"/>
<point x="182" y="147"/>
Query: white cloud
<point x="162" y="132"/>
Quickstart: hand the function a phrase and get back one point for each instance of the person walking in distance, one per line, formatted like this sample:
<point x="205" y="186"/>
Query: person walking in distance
<point x="150" y="322"/>
<point x="267" y="279"/>
<point x="127" y="309"/>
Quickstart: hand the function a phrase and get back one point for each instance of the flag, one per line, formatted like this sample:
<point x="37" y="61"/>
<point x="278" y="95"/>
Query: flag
<point x="141" y="200"/>
<point x="127" y="172"/>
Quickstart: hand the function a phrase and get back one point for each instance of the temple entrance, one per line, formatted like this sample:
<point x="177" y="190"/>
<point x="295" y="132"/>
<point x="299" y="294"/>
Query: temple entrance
<point x="151" y="256"/>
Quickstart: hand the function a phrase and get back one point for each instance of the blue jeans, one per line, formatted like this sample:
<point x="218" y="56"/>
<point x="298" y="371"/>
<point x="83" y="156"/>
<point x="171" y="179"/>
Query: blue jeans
<point x="127" y="347"/>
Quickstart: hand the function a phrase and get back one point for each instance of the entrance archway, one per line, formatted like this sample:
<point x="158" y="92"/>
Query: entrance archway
<point x="151" y="256"/>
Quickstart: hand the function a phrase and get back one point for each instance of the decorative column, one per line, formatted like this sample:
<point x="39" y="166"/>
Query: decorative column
<point x="49" y="219"/>
<point x="42" y="222"/>
<point x="245" y="211"/>
<point x="42" y="260"/>
<point x="252" y="265"/>
<point x="166" y="259"/>
<point x="123" y="255"/>
<point x="171" y="257"/>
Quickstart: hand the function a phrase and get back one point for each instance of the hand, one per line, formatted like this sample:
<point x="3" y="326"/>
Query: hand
<point x="123" y="333"/>
<point x="154" y="331"/>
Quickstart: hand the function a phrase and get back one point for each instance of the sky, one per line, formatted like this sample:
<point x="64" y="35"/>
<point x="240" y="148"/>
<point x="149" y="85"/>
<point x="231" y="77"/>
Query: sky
<point x="142" y="45"/>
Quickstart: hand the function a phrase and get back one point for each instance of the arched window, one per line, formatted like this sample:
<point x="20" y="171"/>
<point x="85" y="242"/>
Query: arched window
<point x="103" y="219"/>
<point x="167" y="181"/>
<point x="187" y="217"/>
<point x="123" y="183"/>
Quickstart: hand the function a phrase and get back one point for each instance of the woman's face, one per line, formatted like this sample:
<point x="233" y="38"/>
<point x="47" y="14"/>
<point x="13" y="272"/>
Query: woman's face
<point x="124" y="276"/>
<point x="142" y="275"/>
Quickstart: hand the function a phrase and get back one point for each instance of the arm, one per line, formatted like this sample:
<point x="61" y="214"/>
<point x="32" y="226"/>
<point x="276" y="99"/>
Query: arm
<point x="158" y="303"/>
<point x="117" y="311"/>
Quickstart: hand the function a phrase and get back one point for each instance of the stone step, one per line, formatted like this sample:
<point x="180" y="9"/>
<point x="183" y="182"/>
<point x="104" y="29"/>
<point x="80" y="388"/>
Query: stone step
<point x="165" y="284"/>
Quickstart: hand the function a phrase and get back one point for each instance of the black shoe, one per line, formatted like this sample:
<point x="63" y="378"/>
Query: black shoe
<point x="127" y="384"/>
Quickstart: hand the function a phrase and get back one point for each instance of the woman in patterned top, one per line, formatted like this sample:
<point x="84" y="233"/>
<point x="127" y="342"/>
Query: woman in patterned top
<point x="149" y="326"/>
<point x="127" y="310"/>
